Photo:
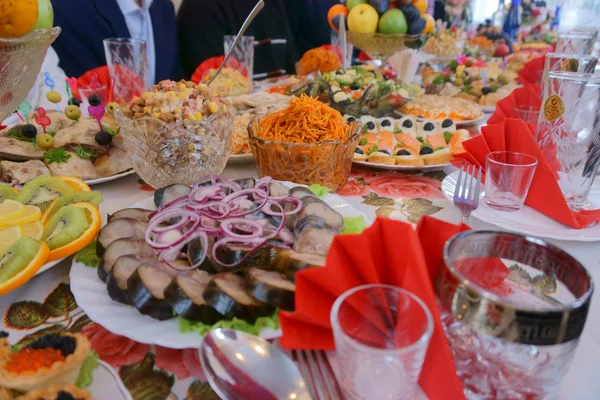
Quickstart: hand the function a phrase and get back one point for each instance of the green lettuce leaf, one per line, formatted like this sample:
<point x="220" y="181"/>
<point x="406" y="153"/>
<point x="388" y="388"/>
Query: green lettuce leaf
<point x="318" y="189"/>
<point x="186" y="326"/>
<point x="354" y="225"/>
<point x="85" y="377"/>
<point x="88" y="256"/>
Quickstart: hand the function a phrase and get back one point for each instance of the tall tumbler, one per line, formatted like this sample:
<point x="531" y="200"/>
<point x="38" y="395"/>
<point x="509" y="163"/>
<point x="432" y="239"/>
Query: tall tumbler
<point x="513" y="308"/>
<point x="128" y="66"/>
<point x="568" y="132"/>
<point x="576" y="43"/>
<point x="242" y="54"/>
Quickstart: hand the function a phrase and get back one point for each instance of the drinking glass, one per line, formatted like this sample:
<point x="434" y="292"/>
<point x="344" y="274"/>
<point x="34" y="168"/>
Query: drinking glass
<point x="128" y="66"/>
<point x="508" y="177"/>
<point x="568" y="132"/>
<point x="529" y="114"/>
<point x="576" y="42"/>
<point x="564" y="62"/>
<point x="101" y="91"/>
<point x="381" y="337"/>
<point x="337" y="41"/>
<point x="244" y="53"/>
<point x="513" y="308"/>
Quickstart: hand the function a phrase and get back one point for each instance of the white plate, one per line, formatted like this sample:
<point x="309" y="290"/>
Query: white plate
<point x="240" y="158"/>
<point x="109" y="178"/>
<point x="529" y="221"/>
<point x="458" y="123"/>
<point x="489" y="109"/>
<point x="107" y="385"/>
<point x="401" y="167"/>
<point x="90" y="294"/>
<point x="49" y="265"/>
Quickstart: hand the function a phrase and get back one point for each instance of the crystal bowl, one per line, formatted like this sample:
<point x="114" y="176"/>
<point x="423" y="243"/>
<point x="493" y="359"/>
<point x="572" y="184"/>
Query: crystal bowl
<point x="180" y="152"/>
<point x="20" y="63"/>
<point x="326" y="163"/>
<point x="382" y="46"/>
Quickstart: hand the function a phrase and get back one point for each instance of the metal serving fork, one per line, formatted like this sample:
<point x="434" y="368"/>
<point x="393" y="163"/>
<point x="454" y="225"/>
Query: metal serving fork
<point x="318" y="374"/>
<point x="466" y="192"/>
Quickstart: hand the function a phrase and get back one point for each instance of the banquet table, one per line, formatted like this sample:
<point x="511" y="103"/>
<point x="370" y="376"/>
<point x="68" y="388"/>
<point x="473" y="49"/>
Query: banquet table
<point x="156" y="373"/>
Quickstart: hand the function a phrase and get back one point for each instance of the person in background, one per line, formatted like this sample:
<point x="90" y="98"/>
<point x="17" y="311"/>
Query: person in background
<point x="308" y="19"/>
<point x="202" y="25"/>
<point x="37" y="95"/>
<point x="457" y="13"/>
<point x="86" y="23"/>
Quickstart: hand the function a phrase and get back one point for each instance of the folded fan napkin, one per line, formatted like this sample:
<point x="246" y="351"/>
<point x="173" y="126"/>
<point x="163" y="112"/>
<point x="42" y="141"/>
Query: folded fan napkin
<point x="544" y="195"/>
<point x="389" y="252"/>
<point x="528" y="95"/>
<point x="532" y="72"/>
<point x="101" y="74"/>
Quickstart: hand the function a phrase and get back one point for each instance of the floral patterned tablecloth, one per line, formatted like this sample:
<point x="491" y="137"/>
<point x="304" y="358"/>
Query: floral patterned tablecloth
<point x="46" y="304"/>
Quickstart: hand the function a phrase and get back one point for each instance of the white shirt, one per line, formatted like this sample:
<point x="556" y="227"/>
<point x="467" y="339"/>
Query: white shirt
<point x="139" y="23"/>
<point x="37" y="94"/>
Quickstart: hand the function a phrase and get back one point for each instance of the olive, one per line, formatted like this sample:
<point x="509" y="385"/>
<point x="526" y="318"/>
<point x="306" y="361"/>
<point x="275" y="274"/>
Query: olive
<point x="354" y="86"/>
<point x="446" y="123"/>
<point x="29" y="131"/>
<point x="486" y="90"/>
<point x="351" y="119"/>
<point x="385" y="151"/>
<point x="403" y="152"/>
<point x="73" y="112"/>
<point x="94" y="100"/>
<point x="45" y="141"/>
<point x="386" y="122"/>
<point x="53" y="96"/>
<point x="429" y="126"/>
<point x="459" y="82"/>
<point x="426" y="150"/>
<point x="111" y="107"/>
<point x="370" y="125"/>
<point x="359" y="151"/>
<point x="103" y="138"/>
<point x="74" y="101"/>
<point x="407" y="123"/>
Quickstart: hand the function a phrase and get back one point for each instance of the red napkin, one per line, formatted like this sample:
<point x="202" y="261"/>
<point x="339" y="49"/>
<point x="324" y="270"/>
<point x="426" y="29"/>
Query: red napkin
<point x="133" y="81"/>
<point x="389" y="252"/>
<point x="544" y="195"/>
<point x="528" y="95"/>
<point x="532" y="72"/>
<point x="215" y="63"/>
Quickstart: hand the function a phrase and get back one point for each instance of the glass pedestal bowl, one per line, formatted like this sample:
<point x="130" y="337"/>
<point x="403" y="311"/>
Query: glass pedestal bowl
<point x="380" y="46"/>
<point x="181" y="152"/>
<point x="20" y="63"/>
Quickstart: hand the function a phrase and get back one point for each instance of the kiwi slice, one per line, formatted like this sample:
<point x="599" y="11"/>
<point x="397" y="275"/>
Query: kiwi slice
<point x="94" y="198"/>
<point x="42" y="190"/>
<point x="66" y="226"/>
<point x="17" y="257"/>
<point x="6" y="192"/>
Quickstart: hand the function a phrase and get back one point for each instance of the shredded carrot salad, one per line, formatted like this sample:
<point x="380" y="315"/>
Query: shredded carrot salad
<point x="305" y="120"/>
<point x="318" y="60"/>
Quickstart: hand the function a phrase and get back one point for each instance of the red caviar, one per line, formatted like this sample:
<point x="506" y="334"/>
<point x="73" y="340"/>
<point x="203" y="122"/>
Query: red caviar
<point x="27" y="360"/>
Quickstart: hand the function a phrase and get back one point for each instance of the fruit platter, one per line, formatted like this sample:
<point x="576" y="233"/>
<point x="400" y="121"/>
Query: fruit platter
<point x="48" y="219"/>
<point x="217" y="253"/>
<point x="405" y="143"/>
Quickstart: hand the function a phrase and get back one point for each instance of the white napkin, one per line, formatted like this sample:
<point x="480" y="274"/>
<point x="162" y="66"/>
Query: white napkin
<point x="405" y="63"/>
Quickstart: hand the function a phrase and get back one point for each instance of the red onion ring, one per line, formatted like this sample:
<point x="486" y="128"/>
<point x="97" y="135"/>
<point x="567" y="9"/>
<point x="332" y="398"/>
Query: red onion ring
<point x="225" y="227"/>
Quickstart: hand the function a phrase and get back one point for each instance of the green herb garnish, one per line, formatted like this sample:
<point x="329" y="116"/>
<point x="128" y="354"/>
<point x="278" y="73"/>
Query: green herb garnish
<point x="353" y="225"/>
<point x="438" y="80"/>
<point x="372" y="150"/>
<point x="16" y="134"/>
<point x="365" y="129"/>
<point x="186" y="326"/>
<point x="83" y="153"/>
<point x="56" y="155"/>
<point x="362" y="141"/>
<point x="439" y="148"/>
<point x="112" y="132"/>
<point x="420" y="139"/>
<point x="424" y="143"/>
<point x="494" y="88"/>
<point x="397" y="130"/>
<point x="87" y="256"/>
<point x="447" y="136"/>
<point x="51" y="133"/>
<point x="318" y="189"/>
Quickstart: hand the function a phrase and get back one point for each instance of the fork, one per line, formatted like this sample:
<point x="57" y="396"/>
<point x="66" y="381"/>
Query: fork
<point x="318" y="374"/>
<point x="466" y="192"/>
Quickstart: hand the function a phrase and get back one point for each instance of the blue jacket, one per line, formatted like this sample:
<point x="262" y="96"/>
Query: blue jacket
<point x="85" y="23"/>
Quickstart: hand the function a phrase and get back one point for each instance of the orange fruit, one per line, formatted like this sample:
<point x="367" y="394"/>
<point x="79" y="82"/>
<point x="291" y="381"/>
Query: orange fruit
<point x="421" y="5"/>
<point x="338" y="9"/>
<point x="29" y="270"/>
<point x="76" y="183"/>
<point x="46" y="213"/>
<point x="17" y="17"/>
<point x="95" y="223"/>
<point x="430" y="26"/>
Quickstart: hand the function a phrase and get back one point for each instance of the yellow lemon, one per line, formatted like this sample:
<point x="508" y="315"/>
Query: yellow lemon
<point x="9" y="236"/>
<point x="30" y="214"/>
<point x="33" y="230"/>
<point x="10" y="209"/>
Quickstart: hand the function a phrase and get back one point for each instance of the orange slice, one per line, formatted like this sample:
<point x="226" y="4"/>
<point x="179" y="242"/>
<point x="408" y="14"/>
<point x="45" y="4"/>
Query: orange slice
<point x="46" y="214"/>
<point x="29" y="270"/>
<point x="95" y="221"/>
<point x="76" y="183"/>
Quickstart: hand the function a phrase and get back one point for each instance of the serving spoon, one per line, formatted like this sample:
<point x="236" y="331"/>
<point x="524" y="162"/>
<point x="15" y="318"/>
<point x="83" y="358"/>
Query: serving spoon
<point x="259" y="6"/>
<point x="243" y="366"/>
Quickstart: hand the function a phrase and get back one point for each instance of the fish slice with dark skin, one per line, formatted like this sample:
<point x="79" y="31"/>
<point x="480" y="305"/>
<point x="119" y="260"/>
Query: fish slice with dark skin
<point x="270" y="287"/>
<point x="167" y="194"/>
<point x="317" y="207"/>
<point x="119" y="229"/>
<point x="122" y="247"/>
<point x="138" y="214"/>
<point x="123" y="268"/>
<point x="313" y="235"/>
<point x="186" y="295"/>
<point x="289" y="262"/>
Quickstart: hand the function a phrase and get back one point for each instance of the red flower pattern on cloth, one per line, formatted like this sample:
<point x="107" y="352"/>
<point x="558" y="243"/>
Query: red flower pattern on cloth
<point x="394" y="185"/>
<point x="114" y="349"/>
<point x="182" y="363"/>
<point x="354" y="188"/>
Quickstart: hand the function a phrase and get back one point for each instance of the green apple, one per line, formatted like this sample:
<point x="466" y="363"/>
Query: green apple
<point x="351" y="3"/>
<point x="46" y="15"/>
<point x="393" y="21"/>
<point x="363" y="19"/>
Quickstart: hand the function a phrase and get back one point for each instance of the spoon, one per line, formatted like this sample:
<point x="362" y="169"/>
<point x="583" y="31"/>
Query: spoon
<point x="259" y="6"/>
<point x="343" y="39"/>
<point x="243" y="366"/>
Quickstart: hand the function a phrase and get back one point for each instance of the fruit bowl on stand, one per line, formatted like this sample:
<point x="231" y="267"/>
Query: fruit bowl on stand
<point x="381" y="46"/>
<point x="21" y="59"/>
